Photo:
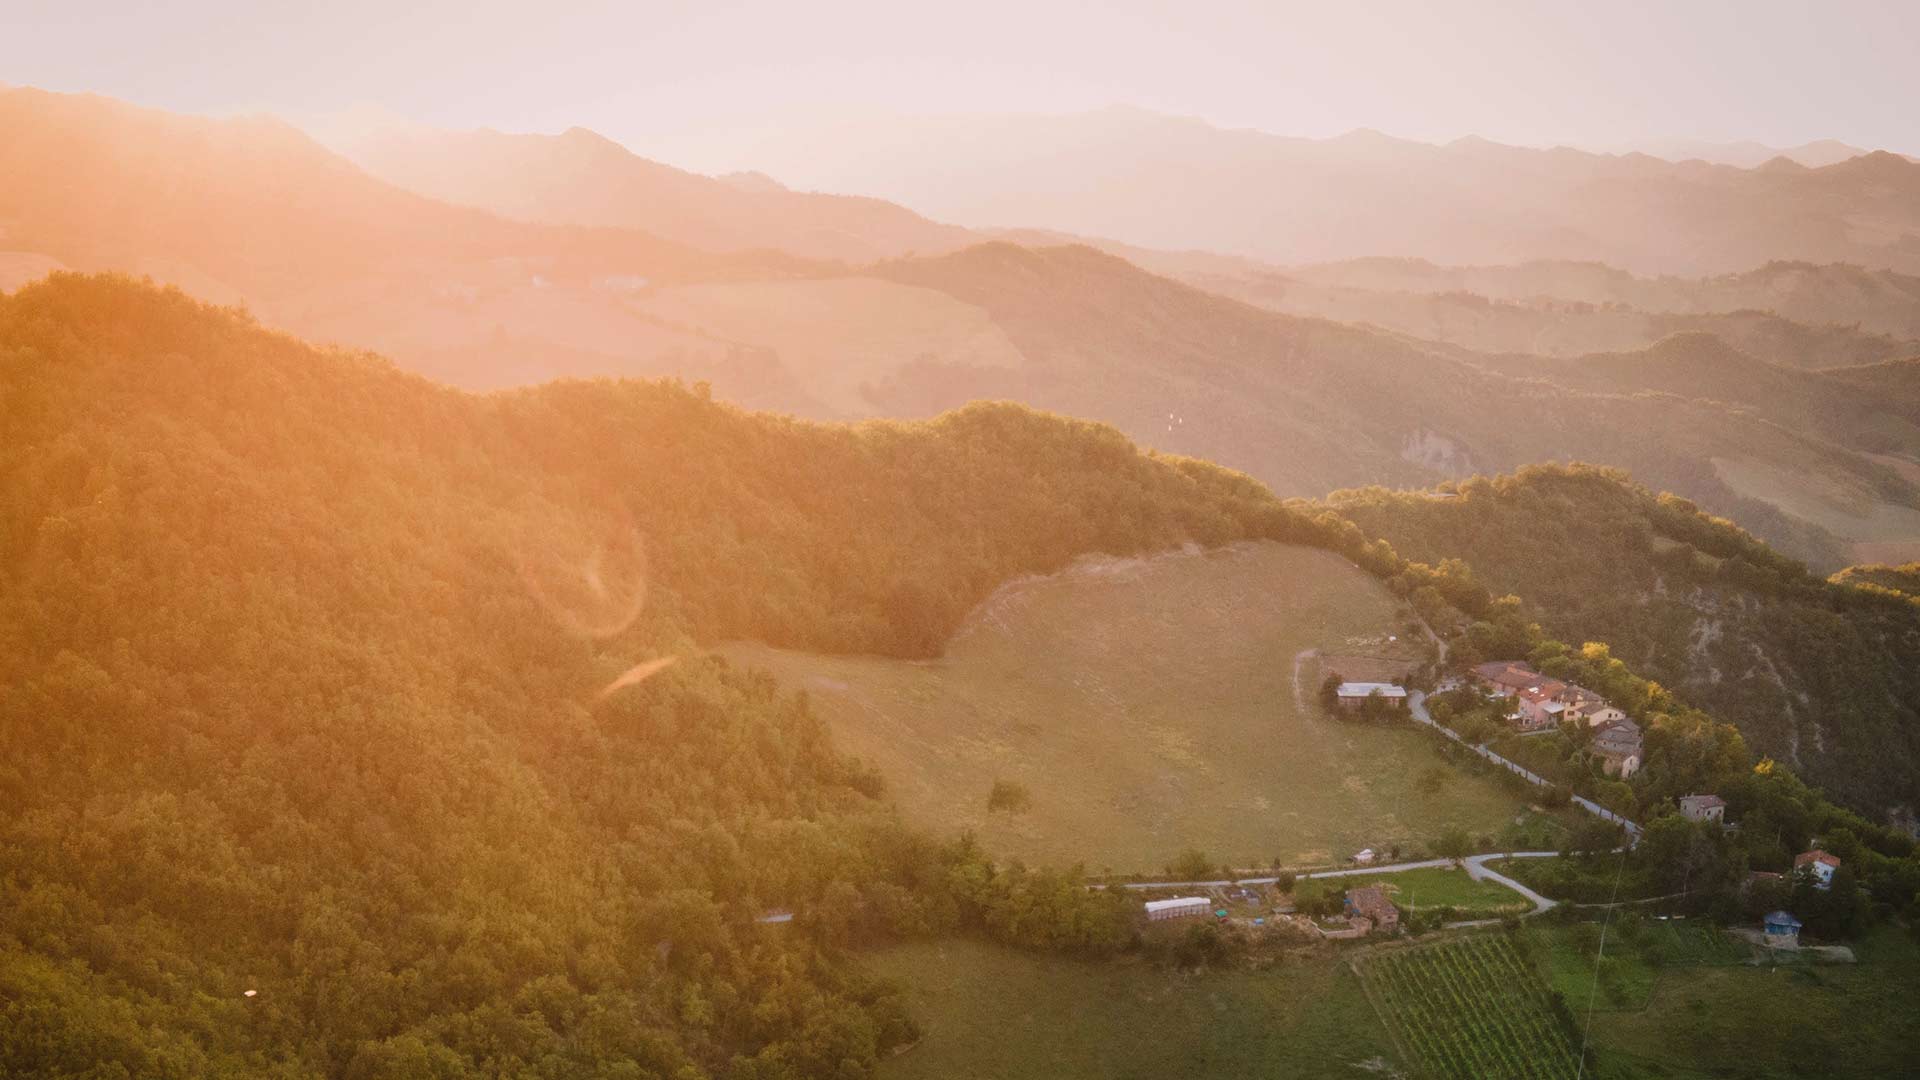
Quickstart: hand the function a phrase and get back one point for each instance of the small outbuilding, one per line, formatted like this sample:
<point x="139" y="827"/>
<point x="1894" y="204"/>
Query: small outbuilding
<point x="1703" y="807"/>
<point x="1179" y="908"/>
<point x="1352" y="695"/>
<point x="1781" y="930"/>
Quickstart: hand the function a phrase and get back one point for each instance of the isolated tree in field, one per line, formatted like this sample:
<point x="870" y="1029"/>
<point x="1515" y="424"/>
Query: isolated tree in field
<point x="1010" y="797"/>
<point x="1192" y="865"/>
<point x="1453" y="843"/>
<point x="1330" y="690"/>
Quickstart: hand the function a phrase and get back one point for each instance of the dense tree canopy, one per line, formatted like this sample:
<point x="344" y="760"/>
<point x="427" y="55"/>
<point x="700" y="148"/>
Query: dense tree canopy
<point x="298" y="670"/>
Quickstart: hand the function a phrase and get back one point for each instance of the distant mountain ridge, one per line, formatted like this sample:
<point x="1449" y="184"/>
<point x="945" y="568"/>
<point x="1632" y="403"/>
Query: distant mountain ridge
<point x="1180" y="183"/>
<point x="583" y="178"/>
<point x="255" y="212"/>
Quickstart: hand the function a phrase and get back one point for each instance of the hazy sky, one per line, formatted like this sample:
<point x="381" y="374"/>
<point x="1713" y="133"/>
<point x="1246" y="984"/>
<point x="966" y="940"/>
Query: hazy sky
<point x="690" y="81"/>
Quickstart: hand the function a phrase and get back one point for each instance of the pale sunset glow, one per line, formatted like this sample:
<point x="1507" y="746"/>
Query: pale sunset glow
<point x="862" y="541"/>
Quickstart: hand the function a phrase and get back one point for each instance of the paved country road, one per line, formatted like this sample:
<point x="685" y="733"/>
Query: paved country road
<point x="1417" y="708"/>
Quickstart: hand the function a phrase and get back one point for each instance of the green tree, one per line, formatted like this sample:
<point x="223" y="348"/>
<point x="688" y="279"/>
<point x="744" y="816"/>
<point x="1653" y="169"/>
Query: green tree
<point x="1192" y="865"/>
<point x="1453" y="843"/>
<point x="1009" y="797"/>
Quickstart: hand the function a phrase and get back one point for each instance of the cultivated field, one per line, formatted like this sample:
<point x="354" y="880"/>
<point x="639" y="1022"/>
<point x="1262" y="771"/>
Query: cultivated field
<point x="1149" y="706"/>
<point x="991" y="1012"/>
<point x="1472" y="1008"/>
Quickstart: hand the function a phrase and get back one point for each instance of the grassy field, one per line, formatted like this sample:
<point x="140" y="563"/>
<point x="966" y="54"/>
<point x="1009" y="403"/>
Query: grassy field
<point x="1472" y="1007"/>
<point x="1765" y="1021"/>
<point x="1880" y="530"/>
<point x="991" y="1012"/>
<point x="1149" y="706"/>
<point x="1422" y="890"/>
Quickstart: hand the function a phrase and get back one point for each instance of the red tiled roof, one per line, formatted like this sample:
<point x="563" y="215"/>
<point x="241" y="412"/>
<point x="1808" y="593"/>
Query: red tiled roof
<point x="1370" y="901"/>
<point x="1816" y="855"/>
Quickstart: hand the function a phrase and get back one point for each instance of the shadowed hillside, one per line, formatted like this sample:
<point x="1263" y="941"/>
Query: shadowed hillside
<point x="1822" y="676"/>
<point x="1303" y="404"/>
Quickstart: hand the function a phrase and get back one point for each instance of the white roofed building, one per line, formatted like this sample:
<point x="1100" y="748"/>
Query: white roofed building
<point x="1178" y="908"/>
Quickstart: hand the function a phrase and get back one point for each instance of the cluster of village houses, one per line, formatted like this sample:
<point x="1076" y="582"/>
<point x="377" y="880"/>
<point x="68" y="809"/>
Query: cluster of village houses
<point x="1538" y="703"/>
<point x="1541" y="702"/>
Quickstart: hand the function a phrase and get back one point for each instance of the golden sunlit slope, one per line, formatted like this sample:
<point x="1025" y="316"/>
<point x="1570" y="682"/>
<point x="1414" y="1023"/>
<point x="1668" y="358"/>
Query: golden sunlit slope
<point x="298" y="668"/>
<point x="581" y="178"/>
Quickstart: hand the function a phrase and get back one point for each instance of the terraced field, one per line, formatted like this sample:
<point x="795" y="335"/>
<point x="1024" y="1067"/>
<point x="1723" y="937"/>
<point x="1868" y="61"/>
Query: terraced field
<point x="1472" y="1008"/>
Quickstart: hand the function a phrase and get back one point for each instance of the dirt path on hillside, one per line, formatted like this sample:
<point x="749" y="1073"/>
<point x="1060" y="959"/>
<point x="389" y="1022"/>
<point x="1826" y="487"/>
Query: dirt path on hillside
<point x="1299" y="692"/>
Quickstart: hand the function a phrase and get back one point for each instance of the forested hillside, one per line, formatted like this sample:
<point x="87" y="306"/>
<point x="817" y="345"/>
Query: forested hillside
<point x="302" y="767"/>
<point x="252" y="211"/>
<point x="1306" y="405"/>
<point x="1823" y="676"/>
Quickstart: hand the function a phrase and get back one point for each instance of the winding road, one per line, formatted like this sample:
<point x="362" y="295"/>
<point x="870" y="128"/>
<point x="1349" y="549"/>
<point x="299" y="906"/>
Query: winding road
<point x="1417" y="708"/>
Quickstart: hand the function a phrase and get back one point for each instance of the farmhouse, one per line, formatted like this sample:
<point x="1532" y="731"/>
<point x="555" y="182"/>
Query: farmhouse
<point x="1782" y="930"/>
<point x="1703" y="807"/>
<point x="1819" y="864"/>
<point x="1540" y="706"/>
<point x="1179" y="908"/>
<point x="1352" y="695"/>
<point x="1370" y="902"/>
<point x="1506" y="677"/>
<point x="1602" y="714"/>
<point x="1619" y="747"/>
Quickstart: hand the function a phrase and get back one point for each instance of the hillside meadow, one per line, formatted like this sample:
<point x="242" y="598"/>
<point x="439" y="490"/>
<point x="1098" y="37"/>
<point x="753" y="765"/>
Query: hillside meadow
<point x="1149" y="706"/>
<point x="1003" y="1015"/>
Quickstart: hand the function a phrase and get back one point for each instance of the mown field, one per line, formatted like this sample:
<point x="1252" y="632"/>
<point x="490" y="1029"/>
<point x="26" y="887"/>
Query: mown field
<point x="1426" y="889"/>
<point x="1472" y="1007"/>
<point x="1149" y="707"/>
<point x="995" y="1014"/>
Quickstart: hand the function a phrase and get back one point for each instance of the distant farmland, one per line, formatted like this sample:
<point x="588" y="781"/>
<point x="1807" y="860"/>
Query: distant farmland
<point x="1149" y="706"/>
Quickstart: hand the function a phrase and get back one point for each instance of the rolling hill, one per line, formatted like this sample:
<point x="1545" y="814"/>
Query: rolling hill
<point x="1151" y="708"/>
<point x="1302" y="403"/>
<point x="252" y="211"/>
<point x="255" y="212"/>
<point x="1819" y="675"/>
<point x="1179" y="183"/>
<point x="581" y="178"/>
<point x="1554" y="326"/>
<point x="315" y="757"/>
